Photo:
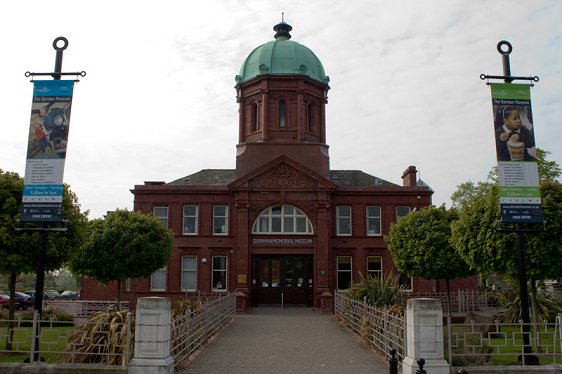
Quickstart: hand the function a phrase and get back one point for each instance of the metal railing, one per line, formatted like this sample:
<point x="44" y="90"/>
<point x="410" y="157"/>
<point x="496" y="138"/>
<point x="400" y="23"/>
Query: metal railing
<point x="64" y="342"/>
<point x="461" y="300"/>
<point x="380" y="328"/>
<point x="193" y="328"/>
<point x="501" y="344"/>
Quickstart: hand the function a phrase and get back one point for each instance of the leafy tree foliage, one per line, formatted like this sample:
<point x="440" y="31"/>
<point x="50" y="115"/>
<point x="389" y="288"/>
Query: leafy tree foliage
<point x="123" y="245"/>
<point x="420" y="244"/>
<point x="19" y="250"/>
<point x="421" y="247"/>
<point x="475" y="235"/>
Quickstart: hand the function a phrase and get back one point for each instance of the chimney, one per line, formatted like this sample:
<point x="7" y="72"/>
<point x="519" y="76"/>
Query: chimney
<point x="409" y="177"/>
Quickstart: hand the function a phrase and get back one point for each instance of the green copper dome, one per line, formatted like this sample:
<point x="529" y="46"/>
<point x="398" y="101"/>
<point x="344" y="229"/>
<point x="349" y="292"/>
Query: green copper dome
<point x="282" y="57"/>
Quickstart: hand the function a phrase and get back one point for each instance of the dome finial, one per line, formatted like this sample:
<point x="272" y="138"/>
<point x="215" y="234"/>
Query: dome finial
<point x="282" y="29"/>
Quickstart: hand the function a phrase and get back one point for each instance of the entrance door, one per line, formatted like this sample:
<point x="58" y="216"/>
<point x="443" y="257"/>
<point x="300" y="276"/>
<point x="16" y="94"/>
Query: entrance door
<point x="282" y="280"/>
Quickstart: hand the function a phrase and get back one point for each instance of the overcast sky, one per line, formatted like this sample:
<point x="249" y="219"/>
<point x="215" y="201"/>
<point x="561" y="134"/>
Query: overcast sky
<point x="158" y="102"/>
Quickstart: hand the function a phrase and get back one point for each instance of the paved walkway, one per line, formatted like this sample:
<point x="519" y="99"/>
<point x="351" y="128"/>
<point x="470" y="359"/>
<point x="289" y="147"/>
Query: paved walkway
<point x="290" y="340"/>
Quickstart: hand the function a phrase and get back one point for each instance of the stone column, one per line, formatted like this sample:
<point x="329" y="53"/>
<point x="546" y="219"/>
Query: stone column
<point x="152" y="337"/>
<point x="424" y="337"/>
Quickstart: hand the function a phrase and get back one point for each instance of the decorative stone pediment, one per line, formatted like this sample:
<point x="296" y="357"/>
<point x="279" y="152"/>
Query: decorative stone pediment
<point x="282" y="176"/>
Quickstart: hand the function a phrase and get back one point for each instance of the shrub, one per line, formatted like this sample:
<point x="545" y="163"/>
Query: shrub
<point x="49" y="315"/>
<point x="378" y="292"/>
<point x="103" y="339"/>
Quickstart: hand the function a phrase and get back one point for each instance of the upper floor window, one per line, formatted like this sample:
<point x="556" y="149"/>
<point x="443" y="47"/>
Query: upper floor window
<point x="282" y="114"/>
<point x="220" y="219"/>
<point x="282" y="219"/>
<point x="343" y="220"/>
<point x="161" y="212"/>
<point x="373" y="220"/>
<point x="190" y="219"/>
<point x="401" y="211"/>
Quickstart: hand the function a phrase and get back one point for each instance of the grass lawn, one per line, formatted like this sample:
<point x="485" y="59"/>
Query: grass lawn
<point x="502" y="348"/>
<point x="53" y="340"/>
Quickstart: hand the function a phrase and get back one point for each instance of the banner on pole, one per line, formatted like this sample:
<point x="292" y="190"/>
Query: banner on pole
<point x="46" y="151"/>
<point x="519" y="191"/>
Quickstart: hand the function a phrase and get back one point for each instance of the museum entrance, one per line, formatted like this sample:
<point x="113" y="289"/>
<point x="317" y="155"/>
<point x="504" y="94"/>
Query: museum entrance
<point x="283" y="280"/>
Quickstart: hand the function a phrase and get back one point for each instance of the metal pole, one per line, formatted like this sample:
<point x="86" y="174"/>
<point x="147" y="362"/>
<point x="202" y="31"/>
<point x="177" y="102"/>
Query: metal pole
<point x="523" y="292"/>
<point x="44" y="239"/>
<point x="505" y="48"/>
<point x="40" y="285"/>
<point x="58" y="58"/>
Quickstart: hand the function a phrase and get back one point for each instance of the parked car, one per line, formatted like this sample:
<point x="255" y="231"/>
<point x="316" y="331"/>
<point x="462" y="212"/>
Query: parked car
<point x="31" y="294"/>
<point x="17" y="303"/>
<point x="69" y="295"/>
<point x="4" y="301"/>
<point x="25" y="300"/>
<point x="53" y="294"/>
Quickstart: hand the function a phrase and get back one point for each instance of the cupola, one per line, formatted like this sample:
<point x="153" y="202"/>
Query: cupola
<point x="282" y="92"/>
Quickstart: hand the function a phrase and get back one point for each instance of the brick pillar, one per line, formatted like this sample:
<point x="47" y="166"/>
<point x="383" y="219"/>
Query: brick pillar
<point x="322" y="253"/>
<point x="152" y="337"/>
<point x="424" y="337"/>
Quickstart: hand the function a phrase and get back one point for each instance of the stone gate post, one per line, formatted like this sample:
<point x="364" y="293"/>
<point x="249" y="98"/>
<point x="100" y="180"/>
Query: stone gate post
<point x="424" y="337"/>
<point x="152" y="337"/>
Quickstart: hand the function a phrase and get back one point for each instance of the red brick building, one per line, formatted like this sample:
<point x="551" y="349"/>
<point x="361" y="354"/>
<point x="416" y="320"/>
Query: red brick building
<point x="282" y="227"/>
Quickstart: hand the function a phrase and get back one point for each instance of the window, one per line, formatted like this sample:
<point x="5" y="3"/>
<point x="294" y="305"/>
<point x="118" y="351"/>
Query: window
<point x="344" y="272"/>
<point x="220" y="273"/>
<point x="343" y="220"/>
<point x="406" y="282"/>
<point x="255" y="117"/>
<point x="190" y="219"/>
<point x="374" y="267"/>
<point x="401" y="211"/>
<point x="161" y="212"/>
<point x="282" y="219"/>
<point x="128" y="284"/>
<point x="309" y="117"/>
<point x="373" y="220"/>
<point x="282" y="114"/>
<point x="158" y="280"/>
<point x="189" y="273"/>
<point x="220" y="220"/>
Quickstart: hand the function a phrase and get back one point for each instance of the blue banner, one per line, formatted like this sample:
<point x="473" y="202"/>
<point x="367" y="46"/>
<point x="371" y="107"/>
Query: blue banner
<point x="46" y="150"/>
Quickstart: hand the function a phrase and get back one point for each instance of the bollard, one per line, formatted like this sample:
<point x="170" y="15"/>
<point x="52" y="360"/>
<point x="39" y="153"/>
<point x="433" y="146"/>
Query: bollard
<point x="393" y="362"/>
<point x="421" y="362"/>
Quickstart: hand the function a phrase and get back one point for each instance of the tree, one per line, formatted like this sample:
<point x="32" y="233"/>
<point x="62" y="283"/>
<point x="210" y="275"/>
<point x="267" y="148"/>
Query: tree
<point x="123" y="245"/>
<point x="420" y="244"/>
<point x="19" y="251"/>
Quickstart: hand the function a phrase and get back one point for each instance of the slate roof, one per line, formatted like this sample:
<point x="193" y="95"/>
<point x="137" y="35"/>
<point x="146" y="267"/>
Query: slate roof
<point x="208" y="177"/>
<point x="223" y="177"/>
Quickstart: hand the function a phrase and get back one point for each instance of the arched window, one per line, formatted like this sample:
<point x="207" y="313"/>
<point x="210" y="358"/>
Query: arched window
<point x="282" y="219"/>
<point x="282" y="114"/>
